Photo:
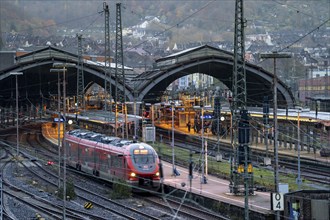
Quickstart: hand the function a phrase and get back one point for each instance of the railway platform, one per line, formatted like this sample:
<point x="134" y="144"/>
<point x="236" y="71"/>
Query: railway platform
<point x="258" y="146"/>
<point x="216" y="189"/>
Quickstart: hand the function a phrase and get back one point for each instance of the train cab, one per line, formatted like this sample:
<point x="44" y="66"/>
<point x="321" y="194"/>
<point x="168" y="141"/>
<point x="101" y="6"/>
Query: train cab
<point x="143" y="166"/>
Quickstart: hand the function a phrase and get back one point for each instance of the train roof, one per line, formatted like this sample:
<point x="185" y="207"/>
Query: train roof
<point x="97" y="137"/>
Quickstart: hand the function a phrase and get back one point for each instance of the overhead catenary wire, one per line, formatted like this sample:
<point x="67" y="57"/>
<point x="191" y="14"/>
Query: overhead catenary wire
<point x="302" y="37"/>
<point x="175" y="25"/>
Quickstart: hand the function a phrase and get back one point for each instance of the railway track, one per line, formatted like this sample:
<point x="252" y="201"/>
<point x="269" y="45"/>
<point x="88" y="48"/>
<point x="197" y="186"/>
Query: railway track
<point x="34" y="201"/>
<point x="84" y="194"/>
<point x="85" y="190"/>
<point x="88" y="187"/>
<point x="184" y="207"/>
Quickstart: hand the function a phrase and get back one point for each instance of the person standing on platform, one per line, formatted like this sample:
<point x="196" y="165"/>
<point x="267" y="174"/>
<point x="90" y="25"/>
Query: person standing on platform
<point x="195" y="125"/>
<point x="188" y="126"/>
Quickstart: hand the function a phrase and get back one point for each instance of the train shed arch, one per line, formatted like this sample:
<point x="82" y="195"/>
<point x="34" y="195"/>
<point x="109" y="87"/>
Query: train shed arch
<point x="214" y="62"/>
<point x="38" y="82"/>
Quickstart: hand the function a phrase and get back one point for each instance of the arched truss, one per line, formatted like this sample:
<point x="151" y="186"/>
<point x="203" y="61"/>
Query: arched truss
<point x="259" y="81"/>
<point x="149" y="85"/>
<point x="33" y="84"/>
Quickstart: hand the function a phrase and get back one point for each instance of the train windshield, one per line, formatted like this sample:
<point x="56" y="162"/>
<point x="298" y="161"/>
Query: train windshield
<point x="143" y="156"/>
<point x="144" y="159"/>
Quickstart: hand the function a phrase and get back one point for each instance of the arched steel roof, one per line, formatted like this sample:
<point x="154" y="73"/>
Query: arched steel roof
<point x="146" y="86"/>
<point x="37" y="78"/>
<point x="214" y="62"/>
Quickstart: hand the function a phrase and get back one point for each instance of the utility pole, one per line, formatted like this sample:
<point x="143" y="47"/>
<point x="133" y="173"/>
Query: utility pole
<point x="1" y="199"/>
<point x="298" y="149"/>
<point x="59" y="127"/>
<point x="120" y="71"/>
<point x="275" y="55"/>
<point x="58" y="71"/>
<point x="240" y="115"/>
<point x="80" y="102"/>
<point x="107" y="69"/>
<point x="2" y="45"/>
<point x="203" y="177"/>
<point x="173" y="150"/>
<point x="17" y="112"/>
<point x="64" y="67"/>
<point x="217" y="114"/>
<point x="266" y="126"/>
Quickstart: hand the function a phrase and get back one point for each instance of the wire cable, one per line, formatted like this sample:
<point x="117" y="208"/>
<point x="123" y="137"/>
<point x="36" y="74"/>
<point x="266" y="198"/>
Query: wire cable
<point x="302" y="37"/>
<point x="173" y="26"/>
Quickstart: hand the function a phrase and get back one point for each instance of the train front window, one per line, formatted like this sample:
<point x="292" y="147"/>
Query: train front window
<point x="143" y="158"/>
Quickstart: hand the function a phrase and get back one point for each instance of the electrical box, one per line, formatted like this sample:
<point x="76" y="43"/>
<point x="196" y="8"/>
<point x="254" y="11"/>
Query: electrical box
<point x="148" y="133"/>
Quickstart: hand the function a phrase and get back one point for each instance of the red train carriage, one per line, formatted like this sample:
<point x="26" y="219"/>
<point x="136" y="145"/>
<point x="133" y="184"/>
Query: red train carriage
<point x="112" y="158"/>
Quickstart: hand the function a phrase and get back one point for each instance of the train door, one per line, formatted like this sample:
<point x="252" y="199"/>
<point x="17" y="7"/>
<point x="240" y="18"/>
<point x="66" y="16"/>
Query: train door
<point x="89" y="158"/>
<point x="72" y="151"/>
<point x="82" y="155"/>
<point x="79" y="157"/>
<point x="95" y="155"/>
<point x="117" y="166"/>
<point x="103" y="160"/>
<point x="122" y="166"/>
<point x="99" y="161"/>
<point x="125" y="168"/>
<point x="109" y="164"/>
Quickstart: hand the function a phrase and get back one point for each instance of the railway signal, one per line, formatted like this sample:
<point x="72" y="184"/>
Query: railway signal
<point x="50" y="163"/>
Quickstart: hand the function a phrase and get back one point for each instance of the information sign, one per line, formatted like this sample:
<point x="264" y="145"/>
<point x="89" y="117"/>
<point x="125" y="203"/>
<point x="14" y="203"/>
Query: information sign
<point x="277" y="201"/>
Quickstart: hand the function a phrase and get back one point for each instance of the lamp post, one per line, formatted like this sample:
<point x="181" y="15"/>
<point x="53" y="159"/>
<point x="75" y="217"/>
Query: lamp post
<point x="134" y="112"/>
<point x="64" y="67"/>
<point x="17" y="131"/>
<point x="220" y="119"/>
<point x="203" y="178"/>
<point x="173" y="153"/>
<point x="298" y="149"/>
<point x="58" y="71"/>
<point x="275" y="55"/>
<point x="1" y="196"/>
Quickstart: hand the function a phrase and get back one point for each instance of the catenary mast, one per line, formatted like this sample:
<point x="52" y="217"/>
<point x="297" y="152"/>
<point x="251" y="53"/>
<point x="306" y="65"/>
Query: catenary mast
<point x="241" y="168"/>
<point x="119" y="71"/>
<point x="107" y="70"/>
<point x="80" y="102"/>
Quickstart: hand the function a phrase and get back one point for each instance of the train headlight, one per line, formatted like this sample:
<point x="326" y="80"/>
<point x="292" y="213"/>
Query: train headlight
<point x="157" y="174"/>
<point x="133" y="175"/>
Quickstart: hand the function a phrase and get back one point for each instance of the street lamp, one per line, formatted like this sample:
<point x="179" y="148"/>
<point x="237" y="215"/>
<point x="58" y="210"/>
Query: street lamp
<point x="17" y="132"/>
<point x="203" y="178"/>
<point x="135" y="114"/>
<point x="298" y="149"/>
<point x="174" y="172"/>
<point x="64" y="67"/>
<point x="219" y="156"/>
<point x="58" y="122"/>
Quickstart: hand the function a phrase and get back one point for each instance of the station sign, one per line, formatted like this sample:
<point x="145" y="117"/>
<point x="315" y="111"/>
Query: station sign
<point x="277" y="201"/>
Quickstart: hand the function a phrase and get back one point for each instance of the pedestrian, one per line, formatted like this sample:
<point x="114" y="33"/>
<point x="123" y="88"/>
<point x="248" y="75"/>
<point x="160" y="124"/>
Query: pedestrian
<point x="188" y="125"/>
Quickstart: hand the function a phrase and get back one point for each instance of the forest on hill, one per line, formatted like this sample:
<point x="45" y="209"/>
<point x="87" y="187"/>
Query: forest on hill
<point x="191" y="20"/>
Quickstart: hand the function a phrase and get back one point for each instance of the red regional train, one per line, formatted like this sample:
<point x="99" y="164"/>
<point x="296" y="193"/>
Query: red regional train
<point x="113" y="159"/>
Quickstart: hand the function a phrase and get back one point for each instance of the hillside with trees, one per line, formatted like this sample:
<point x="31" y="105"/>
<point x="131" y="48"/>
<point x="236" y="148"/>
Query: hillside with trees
<point x="190" y="20"/>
